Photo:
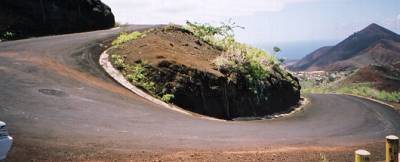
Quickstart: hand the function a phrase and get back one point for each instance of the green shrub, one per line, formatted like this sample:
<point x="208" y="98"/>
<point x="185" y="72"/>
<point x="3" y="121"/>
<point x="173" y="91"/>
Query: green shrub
<point x="8" y="35"/>
<point x="277" y="49"/>
<point x="126" y="37"/>
<point x="253" y="63"/>
<point x="167" y="97"/>
<point x="148" y="85"/>
<point x="220" y="37"/>
<point x="204" y="30"/>
<point x="137" y="74"/>
<point x="118" y="61"/>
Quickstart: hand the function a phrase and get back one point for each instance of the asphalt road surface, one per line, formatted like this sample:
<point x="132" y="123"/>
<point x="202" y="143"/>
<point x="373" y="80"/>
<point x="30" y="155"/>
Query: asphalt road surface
<point x="55" y="96"/>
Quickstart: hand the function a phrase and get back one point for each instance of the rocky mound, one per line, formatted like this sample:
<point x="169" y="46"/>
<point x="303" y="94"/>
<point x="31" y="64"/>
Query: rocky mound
<point x="26" y="18"/>
<point x="179" y="67"/>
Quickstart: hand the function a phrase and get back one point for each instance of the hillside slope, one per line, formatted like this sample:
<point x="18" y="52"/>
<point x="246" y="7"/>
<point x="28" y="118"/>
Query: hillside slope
<point x="381" y="77"/>
<point x="372" y="45"/>
<point x="310" y="59"/>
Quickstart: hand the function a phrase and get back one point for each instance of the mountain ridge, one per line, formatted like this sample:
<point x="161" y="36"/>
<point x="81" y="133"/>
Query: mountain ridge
<point x="358" y="46"/>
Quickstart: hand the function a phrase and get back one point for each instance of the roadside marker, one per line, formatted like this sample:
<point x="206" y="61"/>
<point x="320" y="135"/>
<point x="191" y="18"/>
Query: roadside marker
<point x="392" y="148"/>
<point x="362" y="156"/>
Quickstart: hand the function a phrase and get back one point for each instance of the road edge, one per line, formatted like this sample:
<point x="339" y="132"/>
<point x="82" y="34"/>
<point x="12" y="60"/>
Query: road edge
<point x="372" y="99"/>
<point x="363" y="97"/>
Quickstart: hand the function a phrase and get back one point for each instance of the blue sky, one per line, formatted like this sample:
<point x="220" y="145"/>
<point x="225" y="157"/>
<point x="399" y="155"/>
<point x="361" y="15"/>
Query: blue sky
<point x="267" y="21"/>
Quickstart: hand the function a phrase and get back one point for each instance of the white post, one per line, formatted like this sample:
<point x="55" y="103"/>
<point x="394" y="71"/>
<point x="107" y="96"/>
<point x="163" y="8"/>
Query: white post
<point x="362" y="156"/>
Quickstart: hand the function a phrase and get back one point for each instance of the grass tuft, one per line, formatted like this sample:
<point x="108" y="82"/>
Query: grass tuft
<point x="118" y="61"/>
<point x="167" y="97"/>
<point x="7" y="35"/>
<point x="126" y="37"/>
<point x="138" y="74"/>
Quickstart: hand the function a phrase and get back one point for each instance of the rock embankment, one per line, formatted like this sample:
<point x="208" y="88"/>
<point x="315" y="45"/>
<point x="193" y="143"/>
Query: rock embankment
<point x="176" y="63"/>
<point x="26" y="18"/>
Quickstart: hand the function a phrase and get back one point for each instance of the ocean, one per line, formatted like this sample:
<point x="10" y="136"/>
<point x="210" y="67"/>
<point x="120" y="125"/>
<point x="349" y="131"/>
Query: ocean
<point x="295" y="50"/>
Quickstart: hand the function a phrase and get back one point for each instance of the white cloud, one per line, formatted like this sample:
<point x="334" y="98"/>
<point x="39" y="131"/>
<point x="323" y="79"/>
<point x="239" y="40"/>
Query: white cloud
<point x="177" y="11"/>
<point x="398" y="17"/>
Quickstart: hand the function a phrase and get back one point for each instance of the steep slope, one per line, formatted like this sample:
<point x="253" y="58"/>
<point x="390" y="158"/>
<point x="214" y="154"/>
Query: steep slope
<point x="381" y="77"/>
<point x="310" y="59"/>
<point x="22" y="18"/>
<point x="383" y="53"/>
<point x="372" y="45"/>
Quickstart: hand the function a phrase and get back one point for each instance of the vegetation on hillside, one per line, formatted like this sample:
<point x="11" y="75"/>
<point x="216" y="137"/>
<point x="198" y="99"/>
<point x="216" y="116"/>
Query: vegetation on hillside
<point x="238" y="58"/>
<point x="221" y="37"/>
<point x="359" y="82"/>
<point x="7" y="36"/>
<point x="126" y="37"/>
<point x="360" y="89"/>
<point x="139" y="74"/>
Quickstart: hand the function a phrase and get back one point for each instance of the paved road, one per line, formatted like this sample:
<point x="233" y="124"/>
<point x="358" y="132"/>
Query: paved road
<point x="53" y="94"/>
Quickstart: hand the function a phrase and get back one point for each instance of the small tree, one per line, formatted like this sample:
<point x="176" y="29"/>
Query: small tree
<point x="277" y="49"/>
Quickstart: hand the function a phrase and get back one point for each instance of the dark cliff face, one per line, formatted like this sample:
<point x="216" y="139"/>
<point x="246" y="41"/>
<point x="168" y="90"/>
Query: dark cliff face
<point x="26" y="18"/>
<point x="223" y="97"/>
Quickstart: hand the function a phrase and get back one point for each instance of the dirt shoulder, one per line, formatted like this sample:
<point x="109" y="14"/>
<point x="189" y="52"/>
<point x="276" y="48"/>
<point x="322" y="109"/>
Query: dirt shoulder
<point x="28" y="152"/>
